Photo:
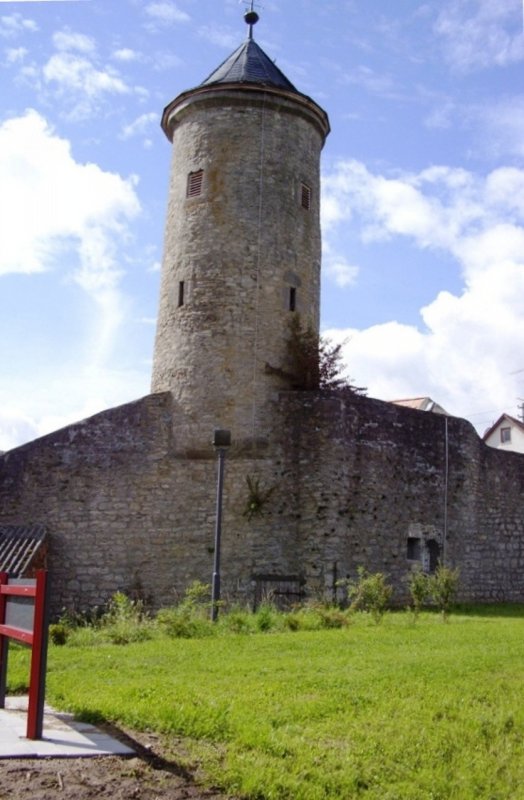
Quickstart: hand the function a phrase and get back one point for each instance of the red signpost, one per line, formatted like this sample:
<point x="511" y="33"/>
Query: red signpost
<point x="24" y="617"/>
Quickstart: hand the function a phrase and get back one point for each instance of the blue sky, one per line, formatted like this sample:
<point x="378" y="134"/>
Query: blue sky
<point x="423" y="191"/>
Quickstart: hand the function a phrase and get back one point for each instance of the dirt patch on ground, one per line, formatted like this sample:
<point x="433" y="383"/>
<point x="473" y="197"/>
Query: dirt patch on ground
<point x="153" y="773"/>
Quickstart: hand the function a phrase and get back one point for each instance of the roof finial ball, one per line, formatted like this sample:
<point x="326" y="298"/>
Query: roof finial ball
<point x="251" y="17"/>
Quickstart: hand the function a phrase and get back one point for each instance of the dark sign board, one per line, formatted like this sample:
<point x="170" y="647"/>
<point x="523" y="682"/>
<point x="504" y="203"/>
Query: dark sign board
<point x="20" y="611"/>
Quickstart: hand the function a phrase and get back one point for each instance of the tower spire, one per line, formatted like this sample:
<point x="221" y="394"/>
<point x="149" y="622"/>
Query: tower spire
<point x="251" y="18"/>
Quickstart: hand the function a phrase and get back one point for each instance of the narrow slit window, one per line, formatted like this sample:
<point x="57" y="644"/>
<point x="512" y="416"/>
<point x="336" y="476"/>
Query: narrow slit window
<point x="180" y="293"/>
<point x="292" y="298"/>
<point x="305" y="196"/>
<point x="194" y="183"/>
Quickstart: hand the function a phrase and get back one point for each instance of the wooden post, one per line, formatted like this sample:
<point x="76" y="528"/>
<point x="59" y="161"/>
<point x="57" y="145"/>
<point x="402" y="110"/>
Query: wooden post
<point x="34" y="636"/>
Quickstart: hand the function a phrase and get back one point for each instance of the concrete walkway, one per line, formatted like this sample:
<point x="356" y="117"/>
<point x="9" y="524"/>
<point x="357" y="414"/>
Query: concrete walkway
<point x="63" y="737"/>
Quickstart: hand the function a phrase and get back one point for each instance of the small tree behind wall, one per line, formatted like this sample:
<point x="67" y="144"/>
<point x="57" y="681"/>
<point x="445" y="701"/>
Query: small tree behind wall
<point x="314" y="361"/>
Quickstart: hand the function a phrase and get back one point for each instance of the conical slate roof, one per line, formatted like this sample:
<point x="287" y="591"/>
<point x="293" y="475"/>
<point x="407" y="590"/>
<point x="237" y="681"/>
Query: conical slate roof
<point x="249" y="64"/>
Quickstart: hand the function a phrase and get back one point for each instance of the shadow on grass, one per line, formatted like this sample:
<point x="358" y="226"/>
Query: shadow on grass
<point x="509" y="610"/>
<point x="145" y="752"/>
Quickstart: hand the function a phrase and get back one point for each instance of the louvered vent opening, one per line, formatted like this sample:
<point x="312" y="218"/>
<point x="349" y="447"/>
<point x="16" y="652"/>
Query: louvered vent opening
<point x="22" y="549"/>
<point x="194" y="183"/>
<point x="306" y="196"/>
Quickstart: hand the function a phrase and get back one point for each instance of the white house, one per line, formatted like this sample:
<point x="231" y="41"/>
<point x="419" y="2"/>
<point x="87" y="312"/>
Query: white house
<point x="507" y="433"/>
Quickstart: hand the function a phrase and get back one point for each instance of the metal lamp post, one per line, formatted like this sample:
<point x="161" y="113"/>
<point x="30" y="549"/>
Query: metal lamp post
<point x="221" y="442"/>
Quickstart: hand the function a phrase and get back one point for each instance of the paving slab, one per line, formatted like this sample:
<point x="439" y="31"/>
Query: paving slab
<point x="63" y="736"/>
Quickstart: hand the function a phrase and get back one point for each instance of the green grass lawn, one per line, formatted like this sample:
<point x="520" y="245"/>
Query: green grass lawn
<point x="396" y="711"/>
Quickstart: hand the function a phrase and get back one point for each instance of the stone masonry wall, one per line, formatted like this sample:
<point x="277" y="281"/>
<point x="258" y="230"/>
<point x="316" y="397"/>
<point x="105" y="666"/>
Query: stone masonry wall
<point x="237" y="249"/>
<point x="352" y="479"/>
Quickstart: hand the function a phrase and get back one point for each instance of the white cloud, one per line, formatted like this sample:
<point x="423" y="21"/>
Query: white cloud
<point x="127" y="55"/>
<point x="140" y="125"/>
<point x="341" y="272"/>
<point x="14" y="24"/>
<point x="46" y="197"/>
<point x="49" y="202"/>
<point x="470" y="342"/>
<point x="76" y="74"/>
<point x="166" y="12"/>
<point x="14" y="55"/>
<point x="481" y="33"/>
<point x="71" y="219"/>
<point x="15" y="427"/>
<point x="69" y="40"/>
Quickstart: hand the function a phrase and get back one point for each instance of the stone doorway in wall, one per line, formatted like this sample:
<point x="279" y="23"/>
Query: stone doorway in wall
<point x="283" y="591"/>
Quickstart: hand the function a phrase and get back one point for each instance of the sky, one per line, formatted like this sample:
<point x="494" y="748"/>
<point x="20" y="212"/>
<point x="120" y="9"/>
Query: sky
<point x="422" y="207"/>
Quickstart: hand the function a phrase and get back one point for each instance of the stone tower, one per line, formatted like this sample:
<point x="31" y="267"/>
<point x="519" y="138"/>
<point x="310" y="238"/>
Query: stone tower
<point x="242" y="244"/>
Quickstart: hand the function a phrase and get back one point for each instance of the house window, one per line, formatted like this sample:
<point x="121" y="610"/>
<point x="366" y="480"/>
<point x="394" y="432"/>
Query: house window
<point x="292" y="305"/>
<point x="505" y="435"/>
<point x="180" y="293"/>
<point x="305" y="196"/>
<point x="194" y="183"/>
<point x="414" y="550"/>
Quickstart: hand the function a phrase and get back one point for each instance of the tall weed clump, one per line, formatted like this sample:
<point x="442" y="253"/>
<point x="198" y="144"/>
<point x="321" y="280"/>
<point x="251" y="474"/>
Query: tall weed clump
<point x="125" y="621"/>
<point x="122" y="621"/>
<point x="190" y="618"/>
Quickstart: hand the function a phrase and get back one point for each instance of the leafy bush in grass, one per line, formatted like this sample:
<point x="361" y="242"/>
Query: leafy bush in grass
<point x="237" y="620"/>
<point x="441" y="587"/>
<point x="316" y="616"/>
<point x="371" y="593"/>
<point x="267" y="618"/>
<point x="419" y="584"/>
<point x="180" y="622"/>
<point x="444" y="586"/>
<point x="190" y="618"/>
<point x="125" y="621"/>
<point x="59" y="633"/>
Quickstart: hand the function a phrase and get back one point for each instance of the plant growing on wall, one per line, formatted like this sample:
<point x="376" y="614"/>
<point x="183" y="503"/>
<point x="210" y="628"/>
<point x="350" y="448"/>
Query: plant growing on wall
<point x="257" y="497"/>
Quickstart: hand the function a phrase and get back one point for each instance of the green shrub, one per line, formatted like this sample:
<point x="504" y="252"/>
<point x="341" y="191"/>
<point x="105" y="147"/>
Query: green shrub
<point x="59" y="633"/>
<point x="371" y="593"/>
<point x="267" y="617"/>
<point x="125" y="621"/>
<point x="237" y="620"/>
<point x="293" y="621"/>
<point x="332" y="616"/>
<point x="419" y="585"/>
<point x="197" y="595"/>
<point x="444" y="586"/>
<point x="190" y="618"/>
<point x="181" y="622"/>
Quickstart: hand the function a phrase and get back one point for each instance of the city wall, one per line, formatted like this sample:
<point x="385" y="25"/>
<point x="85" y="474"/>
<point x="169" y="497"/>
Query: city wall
<point x="345" y="481"/>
